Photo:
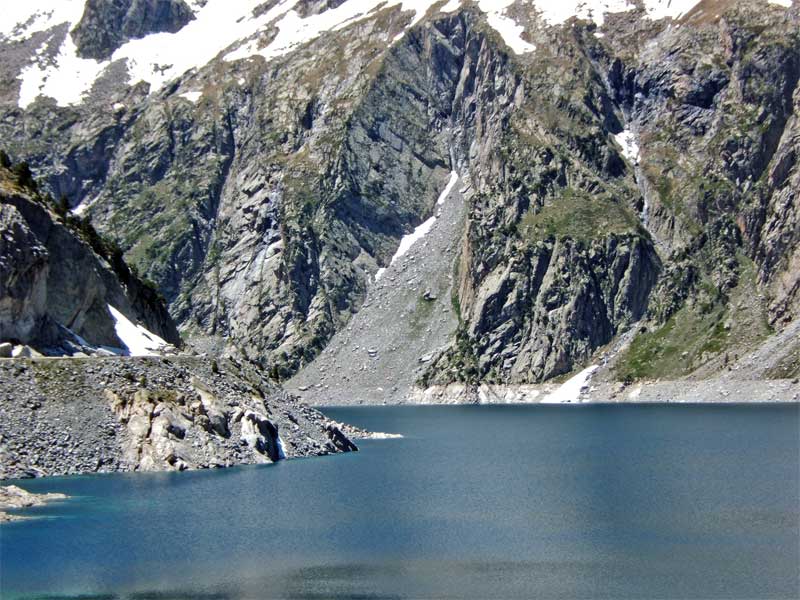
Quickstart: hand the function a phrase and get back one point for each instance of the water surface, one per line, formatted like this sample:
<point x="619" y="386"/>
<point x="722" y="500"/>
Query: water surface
<point x="475" y="502"/>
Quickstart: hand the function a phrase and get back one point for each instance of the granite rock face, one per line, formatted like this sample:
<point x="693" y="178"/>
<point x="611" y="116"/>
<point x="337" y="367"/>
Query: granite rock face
<point x="107" y="24"/>
<point x="261" y="195"/>
<point x="55" y="288"/>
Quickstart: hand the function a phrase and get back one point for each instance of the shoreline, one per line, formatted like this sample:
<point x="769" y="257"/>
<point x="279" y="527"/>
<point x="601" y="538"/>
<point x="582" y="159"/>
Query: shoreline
<point x="707" y="391"/>
<point x="13" y="497"/>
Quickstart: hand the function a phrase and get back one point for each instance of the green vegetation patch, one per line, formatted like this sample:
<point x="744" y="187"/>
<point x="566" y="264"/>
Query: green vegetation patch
<point x="579" y="216"/>
<point x="671" y="350"/>
<point x="707" y="329"/>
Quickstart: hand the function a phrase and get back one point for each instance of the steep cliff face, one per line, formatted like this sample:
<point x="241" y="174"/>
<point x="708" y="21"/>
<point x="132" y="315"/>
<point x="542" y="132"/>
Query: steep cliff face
<point x="58" y="279"/>
<point x="625" y="169"/>
<point x="107" y="24"/>
<point x="713" y="107"/>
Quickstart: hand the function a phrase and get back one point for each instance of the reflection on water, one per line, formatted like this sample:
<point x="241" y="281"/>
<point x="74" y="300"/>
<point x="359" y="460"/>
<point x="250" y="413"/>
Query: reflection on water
<point x="474" y="502"/>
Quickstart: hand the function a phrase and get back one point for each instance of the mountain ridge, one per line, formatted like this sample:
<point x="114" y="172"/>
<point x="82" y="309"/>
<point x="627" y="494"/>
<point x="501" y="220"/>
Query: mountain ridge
<point x="629" y="173"/>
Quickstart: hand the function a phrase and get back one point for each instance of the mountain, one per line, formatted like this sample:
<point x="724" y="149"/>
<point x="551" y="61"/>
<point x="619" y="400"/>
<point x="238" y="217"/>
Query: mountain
<point x="621" y="179"/>
<point x="111" y="394"/>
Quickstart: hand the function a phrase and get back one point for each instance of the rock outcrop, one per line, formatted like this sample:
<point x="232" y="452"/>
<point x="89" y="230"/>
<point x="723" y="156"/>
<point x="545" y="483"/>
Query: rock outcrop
<point x="14" y="497"/>
<point x="107" y="24"/>
<point x="58" y="278"/>
<point x="63" y="416"/>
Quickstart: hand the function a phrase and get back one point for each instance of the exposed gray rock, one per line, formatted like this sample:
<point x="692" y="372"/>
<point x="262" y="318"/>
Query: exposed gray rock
<point x="55" y="288"/>
<point x="107" y="24"/>
<point x="62" y="416"/>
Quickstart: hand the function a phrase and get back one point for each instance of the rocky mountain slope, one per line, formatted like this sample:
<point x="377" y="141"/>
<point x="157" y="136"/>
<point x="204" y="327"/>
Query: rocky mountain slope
<point x="63" y="288"/>
<point x="633" y="170"/>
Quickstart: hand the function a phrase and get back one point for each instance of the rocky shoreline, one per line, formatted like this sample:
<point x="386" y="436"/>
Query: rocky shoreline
<point x="13" y="497"/>
<point x="97" y="415"/>
<point x="710" y="391"/>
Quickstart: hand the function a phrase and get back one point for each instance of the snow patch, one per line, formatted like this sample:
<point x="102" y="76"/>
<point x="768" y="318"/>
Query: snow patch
<point x="509" y="30"/>
<point x="627" y="141"/>
<point x="555" y="12"/>
<point x="421" y="230"/>
<point x="221" y="25"/>
<point x="450" y="185"/>
<point x="67" y="80"/>
<point x="138" y="340"/>
<point x="192" y="97"/>
<point x="20" y="19"/>
<point x="783" y="3"/>
<point x="570" y="390"/>
<point x="156" y="58"/>
<point x="673" y="9"/>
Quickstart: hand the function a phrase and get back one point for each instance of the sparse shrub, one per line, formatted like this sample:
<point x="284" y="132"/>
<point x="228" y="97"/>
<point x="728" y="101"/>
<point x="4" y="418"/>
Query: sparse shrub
<point x="22" y="171"/>
<point x="62" y="207"/>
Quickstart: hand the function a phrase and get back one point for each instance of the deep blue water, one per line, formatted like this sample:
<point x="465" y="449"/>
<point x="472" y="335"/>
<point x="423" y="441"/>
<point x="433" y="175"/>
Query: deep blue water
<point x="475" y="502"/>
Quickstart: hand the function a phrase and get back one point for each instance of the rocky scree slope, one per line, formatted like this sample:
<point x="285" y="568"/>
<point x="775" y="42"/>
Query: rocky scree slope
<point x="62" y="416"/>
<point x="407" y="316"/>
<point x="59" y="278"/>
<point x="262" y="194"/>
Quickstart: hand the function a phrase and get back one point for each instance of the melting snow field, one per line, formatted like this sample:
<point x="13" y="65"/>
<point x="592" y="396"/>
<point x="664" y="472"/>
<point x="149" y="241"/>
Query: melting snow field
<point x="627" y="141"/>
<point x="138" y="340"/>
<point x="450" y="185"/>
<point x="570" y="390"/>
<point x="229" y="25"/>
<point x="421" y="230"/>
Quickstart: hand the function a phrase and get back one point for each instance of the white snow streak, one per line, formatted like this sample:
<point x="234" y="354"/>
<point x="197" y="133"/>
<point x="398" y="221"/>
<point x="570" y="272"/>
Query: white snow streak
<point x="570" y="390"/>
<point x="450" y="185"/>
<point x="783" y="3"/>
<point x="674" y="9"/>
<point x="412" y="238"/>
<point x="421" y="230"/>
<point x="192" y="97"/>
<point x="627" y="141"/>
<point x="138" y="340"/>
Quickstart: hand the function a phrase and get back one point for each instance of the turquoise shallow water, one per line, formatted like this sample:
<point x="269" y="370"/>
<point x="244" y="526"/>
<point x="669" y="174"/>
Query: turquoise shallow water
<point x="475" y="502"/>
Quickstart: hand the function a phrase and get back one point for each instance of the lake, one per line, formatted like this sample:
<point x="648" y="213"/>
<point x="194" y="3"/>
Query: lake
<point x="600" y="501"/>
